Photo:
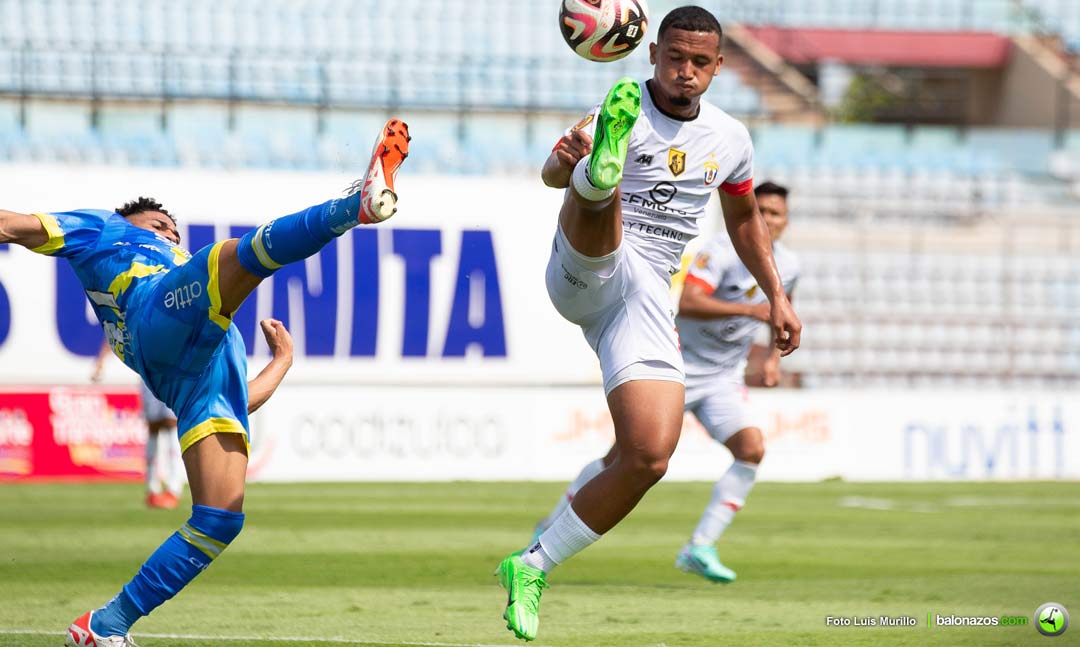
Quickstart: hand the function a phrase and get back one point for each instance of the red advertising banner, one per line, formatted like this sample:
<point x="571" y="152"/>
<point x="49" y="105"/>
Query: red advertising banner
<point x="71" y="433"/>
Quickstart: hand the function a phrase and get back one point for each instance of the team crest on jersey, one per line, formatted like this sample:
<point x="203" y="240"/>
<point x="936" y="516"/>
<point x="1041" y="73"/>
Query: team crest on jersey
<point x="581" y="124"/>
<point x="711" y="171"/>
<point x="676" y="161"/>
<point x="702" y="261"/>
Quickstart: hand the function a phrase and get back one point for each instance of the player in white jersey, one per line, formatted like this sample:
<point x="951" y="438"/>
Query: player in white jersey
<point x="721" y="311"/>
<point x="637" y="184"/>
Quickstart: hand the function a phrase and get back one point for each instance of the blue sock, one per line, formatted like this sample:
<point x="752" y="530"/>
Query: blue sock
<point x="175" y="563"/>
<point x="294" y="238"/>
<point x="119" y="612"/>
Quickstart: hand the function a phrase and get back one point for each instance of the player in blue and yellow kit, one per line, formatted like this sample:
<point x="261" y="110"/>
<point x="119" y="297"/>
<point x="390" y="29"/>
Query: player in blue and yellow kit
<point x="166" y="314"/>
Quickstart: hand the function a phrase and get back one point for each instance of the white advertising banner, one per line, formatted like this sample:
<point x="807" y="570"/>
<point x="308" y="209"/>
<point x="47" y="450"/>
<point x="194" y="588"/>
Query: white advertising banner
<point x="452" y="288"/>
<point x="534" y="433"/>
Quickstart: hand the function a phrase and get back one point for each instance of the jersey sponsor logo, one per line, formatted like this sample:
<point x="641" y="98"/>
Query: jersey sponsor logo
<point x="184" y="295"/>
<point x="581" y="124"/>
<point x="663" y="192"/>
<point x="644" y="159"/>
<point x="655" y="207"/>
<point x="676" y="161"/>
<point x="712" y="169"/>
<point x="655" y="230"/>
<point x="573" y="280"/>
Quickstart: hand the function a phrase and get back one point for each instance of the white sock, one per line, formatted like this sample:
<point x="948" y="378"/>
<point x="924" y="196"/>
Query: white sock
<point x="567" y="537"/>
<point x="174" y="462"/>
<point x="584" y="186"/>
<point x="537" y="557"/>
<point x="584" y="476"/>
<point x="728" y="497"/>
<point x="153" y="483"/>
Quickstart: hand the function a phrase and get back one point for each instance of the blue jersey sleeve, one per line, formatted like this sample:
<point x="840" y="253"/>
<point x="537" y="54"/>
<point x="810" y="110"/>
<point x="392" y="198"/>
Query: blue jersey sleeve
<point x="71" y="232"/>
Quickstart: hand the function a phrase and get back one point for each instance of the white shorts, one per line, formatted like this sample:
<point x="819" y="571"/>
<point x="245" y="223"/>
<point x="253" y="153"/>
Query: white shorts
<point x="154" y="410"/>
<point x="721" y="403"/>
<point x="624" y="308"/>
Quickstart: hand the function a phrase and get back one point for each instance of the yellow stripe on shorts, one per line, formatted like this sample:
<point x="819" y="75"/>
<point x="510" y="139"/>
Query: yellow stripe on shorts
<point x="213" y="287"/>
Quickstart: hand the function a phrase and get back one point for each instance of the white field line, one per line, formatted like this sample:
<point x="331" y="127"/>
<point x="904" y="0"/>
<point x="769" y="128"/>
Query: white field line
<point x="290" y="639"/>
<point x="870" y="503"/>
<point x="873" y="503"/>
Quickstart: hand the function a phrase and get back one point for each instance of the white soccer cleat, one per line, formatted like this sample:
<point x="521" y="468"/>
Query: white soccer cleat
<point x="79" y="634"/>
<point x="378" y="199"/>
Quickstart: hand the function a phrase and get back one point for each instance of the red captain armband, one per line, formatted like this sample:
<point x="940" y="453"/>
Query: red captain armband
<point x="738" y="189"/>
<point x="700" y="282"/>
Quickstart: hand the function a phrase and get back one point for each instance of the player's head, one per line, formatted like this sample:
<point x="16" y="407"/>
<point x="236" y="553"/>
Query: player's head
<point x="149" y="214"/>
<point x="772" y="201"/>
<point x="686" y="54"/>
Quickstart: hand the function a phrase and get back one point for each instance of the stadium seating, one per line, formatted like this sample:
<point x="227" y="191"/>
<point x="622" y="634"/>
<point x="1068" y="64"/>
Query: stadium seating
<point x="892" y="318"/>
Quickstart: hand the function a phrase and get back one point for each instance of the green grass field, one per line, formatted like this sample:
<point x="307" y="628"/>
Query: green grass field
<point x="411" y="564"/>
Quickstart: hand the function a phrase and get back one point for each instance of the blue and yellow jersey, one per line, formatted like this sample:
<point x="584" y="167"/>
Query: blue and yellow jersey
<point x="114" y="260"/>
<point x="162" y="314"/>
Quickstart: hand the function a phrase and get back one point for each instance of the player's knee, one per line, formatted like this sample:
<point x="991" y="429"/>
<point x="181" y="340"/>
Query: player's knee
<point x="221" y="525"/>
<point x="649" y="469"/>
<point x="749" y="446"/>
<point x="753" y="454"/>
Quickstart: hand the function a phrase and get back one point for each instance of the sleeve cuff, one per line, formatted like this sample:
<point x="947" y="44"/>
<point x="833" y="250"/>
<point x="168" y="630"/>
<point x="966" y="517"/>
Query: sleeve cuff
<point x="700" y="282"/>
<point x="738" y="188"/>
<point x="55" y="233"/>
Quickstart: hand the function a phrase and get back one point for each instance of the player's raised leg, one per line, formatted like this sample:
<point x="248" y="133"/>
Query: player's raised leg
<point x="728" y="497"/>
<point x="372" y="199"/>
<point x="591" y="213"/>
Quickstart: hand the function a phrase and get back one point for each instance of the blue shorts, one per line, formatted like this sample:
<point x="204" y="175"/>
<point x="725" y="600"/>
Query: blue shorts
<point x="154" y="410"/>
<point x="190" y="355"/>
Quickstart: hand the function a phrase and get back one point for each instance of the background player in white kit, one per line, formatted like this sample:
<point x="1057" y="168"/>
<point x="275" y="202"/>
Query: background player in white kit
<point x="620" y="236"/>
<point x="721" y="311"/>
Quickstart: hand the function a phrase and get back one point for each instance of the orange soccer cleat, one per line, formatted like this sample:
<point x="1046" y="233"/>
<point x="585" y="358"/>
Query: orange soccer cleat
<point x="378" y="199"/>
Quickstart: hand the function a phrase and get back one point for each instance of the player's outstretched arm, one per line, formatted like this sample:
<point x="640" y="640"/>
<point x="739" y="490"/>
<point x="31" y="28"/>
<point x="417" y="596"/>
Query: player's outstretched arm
<point x="266" y="382"/>
<point x="22" y="229"/>
<point x="560" y="164"/>
<point x="750" y="236"/>
<point x="696" y="303"/>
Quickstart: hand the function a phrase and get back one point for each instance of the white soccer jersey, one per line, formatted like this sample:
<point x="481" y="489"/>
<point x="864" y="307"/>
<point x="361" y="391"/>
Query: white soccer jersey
<point x="672" y="167"/>
<point x="712" y="346"/>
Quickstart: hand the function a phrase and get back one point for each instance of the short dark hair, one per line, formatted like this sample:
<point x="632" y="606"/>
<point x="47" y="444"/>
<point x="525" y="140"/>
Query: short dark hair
<point x="690" y="19"/>
<point x="770" y="188"/>
<point x="141" y="205"/>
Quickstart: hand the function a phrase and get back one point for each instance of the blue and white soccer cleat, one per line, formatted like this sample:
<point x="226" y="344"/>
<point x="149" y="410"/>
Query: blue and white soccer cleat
<point x="703" y="561"/>
<point x="79" y="634"/>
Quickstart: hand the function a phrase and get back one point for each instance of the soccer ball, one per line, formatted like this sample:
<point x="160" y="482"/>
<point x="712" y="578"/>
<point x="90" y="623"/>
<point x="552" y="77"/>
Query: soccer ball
<point x="603" y="30"/>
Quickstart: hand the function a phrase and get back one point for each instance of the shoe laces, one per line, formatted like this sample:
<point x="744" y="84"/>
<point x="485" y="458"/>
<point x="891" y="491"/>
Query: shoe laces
<point x="530" y="585"/>
<point x="355" y="187"/>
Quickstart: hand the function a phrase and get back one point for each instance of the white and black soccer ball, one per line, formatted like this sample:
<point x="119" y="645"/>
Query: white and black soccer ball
<point x="603" y="30"/>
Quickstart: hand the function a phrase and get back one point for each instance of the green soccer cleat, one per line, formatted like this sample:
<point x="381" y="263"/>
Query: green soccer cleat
<point x="523" y="584"/>
<point x="616" y="120"/>
<point x="703" y="561"/>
